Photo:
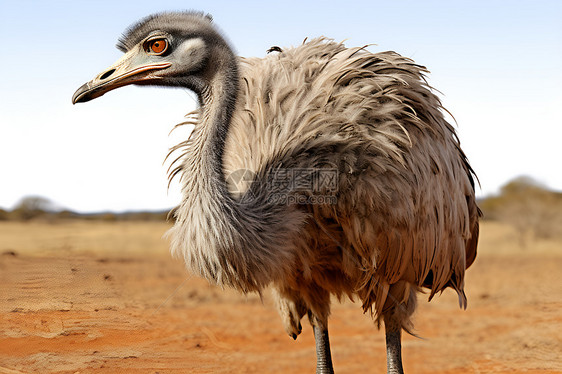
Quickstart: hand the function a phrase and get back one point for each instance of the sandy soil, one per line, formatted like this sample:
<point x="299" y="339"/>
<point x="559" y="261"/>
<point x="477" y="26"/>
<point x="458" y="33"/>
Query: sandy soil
<point x="107" y="298"/>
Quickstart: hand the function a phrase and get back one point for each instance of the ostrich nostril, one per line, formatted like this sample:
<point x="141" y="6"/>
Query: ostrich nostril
<point x="107" y="74"/>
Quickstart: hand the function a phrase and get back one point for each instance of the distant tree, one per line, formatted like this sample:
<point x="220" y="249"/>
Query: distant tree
<point x="33" y="206"/>
<point x="108" y="217"/>
<point x="66" y="214"/>
<point x="531" y="208"/>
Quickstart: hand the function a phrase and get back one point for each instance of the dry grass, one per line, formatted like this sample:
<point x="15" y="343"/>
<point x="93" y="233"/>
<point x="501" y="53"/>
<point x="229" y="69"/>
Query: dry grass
<point x="72" y="237"/>
<point x="501" y="239"/>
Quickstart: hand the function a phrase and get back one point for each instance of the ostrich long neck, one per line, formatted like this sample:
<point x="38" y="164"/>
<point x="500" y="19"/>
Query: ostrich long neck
<point x="240" y="245"/>
<point x="218" y="100"/>
<point x="206" y="188"/>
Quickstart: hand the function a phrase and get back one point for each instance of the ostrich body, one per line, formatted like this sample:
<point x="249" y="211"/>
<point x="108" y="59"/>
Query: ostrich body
<point x="358" y="184"/>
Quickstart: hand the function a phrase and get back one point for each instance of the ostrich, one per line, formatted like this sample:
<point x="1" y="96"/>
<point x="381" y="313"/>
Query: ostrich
<point x="354" y="183"/>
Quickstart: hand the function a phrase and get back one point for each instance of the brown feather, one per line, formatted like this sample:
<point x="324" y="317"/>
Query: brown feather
<point x="406" y="204"/>
<point x="405" y="216"/>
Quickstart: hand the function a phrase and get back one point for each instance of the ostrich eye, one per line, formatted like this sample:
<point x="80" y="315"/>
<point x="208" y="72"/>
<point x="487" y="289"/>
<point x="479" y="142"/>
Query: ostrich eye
<point x="156" y="46"/>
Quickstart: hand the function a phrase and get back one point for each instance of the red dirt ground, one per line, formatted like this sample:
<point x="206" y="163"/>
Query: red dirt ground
<point x="82" y="311"/>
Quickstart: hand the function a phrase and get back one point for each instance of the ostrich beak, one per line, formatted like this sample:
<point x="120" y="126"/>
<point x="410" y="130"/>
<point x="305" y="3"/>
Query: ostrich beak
<point x="132" y="68"/>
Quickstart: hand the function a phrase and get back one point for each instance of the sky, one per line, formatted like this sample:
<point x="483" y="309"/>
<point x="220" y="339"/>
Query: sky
<point x="497" y="65"/>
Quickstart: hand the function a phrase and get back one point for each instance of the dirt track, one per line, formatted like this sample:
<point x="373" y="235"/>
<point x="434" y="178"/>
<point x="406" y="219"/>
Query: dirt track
<point x="107" y="298"/>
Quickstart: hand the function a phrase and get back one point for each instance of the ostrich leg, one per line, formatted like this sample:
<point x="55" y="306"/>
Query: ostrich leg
<point x="393" y="349"/>
<point x="323" y="355"/>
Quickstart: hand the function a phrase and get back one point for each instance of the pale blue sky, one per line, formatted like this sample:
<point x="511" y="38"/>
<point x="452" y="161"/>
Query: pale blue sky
<point x="497" y="63"/>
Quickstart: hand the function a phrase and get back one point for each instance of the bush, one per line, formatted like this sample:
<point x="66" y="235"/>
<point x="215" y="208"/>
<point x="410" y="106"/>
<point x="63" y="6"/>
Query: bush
<point x="32" y="207"/>
<point x="528" y="206"/>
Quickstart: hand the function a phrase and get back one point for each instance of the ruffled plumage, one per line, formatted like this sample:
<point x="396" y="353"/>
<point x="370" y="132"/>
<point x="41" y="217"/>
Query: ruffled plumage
<point x="405" y="216"/>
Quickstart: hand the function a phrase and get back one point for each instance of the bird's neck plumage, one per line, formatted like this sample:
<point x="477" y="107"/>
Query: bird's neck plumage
<point x="218" y="101"/>
<point x="243" y="245"/>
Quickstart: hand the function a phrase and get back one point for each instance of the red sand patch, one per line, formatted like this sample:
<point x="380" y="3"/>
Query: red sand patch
<point x="138" y="314"/>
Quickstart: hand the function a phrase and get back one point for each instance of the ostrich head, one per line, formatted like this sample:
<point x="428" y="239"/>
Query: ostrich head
<point x="166" y="49"/>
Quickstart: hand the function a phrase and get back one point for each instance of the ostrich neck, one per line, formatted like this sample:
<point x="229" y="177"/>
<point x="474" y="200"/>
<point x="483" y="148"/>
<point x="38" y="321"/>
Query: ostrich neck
<point x="218" y="100"/>
<point x="243" y="245"/>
